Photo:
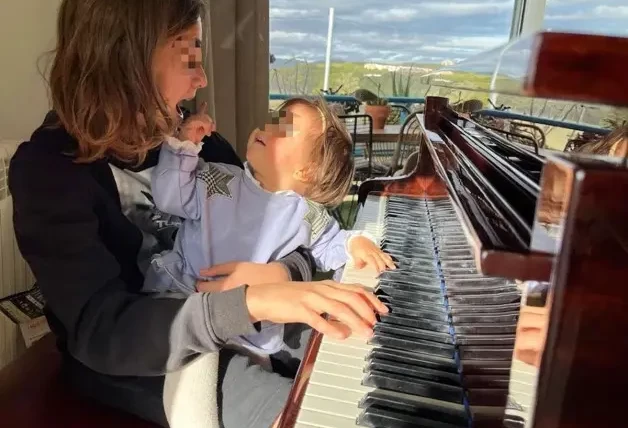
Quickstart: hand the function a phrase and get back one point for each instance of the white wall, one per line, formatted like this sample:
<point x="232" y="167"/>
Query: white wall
<point x="27" y="30"/>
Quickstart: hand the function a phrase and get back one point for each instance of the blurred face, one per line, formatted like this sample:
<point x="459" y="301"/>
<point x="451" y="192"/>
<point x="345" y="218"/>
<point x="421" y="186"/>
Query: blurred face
<point x="178" y="66"/>
<point x="280" y="153"/>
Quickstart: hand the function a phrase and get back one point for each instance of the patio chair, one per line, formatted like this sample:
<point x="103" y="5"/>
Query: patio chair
<point x="410" y="137"/>
<point x="398" y="113"/>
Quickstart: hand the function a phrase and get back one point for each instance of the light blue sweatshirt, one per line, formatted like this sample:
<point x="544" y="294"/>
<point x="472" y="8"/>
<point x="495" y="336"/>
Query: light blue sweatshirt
<point x="230" y="217"/>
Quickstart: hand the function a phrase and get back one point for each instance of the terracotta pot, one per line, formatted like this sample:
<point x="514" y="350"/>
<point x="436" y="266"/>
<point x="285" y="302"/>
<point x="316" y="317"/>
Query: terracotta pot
<point x="379" y="114"/>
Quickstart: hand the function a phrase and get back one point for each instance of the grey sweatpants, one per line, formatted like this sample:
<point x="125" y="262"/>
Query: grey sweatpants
<point x="248" y="395"/>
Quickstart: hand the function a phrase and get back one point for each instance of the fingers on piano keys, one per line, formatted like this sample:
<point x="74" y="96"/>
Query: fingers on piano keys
<point x="441" y="357"/>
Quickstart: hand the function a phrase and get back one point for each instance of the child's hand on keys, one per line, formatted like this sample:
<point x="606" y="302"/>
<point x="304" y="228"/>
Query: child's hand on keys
<point x="197" y="126"/>
<point x="366" y="253"/>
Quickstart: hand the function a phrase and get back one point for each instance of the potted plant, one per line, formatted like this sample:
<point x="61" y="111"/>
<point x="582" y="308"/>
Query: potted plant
<point x="376" y="106"/>
<point x="379" y="110"/>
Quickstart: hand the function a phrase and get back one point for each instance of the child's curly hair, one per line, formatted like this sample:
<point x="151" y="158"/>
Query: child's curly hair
<point x="332" y="156"/>
<point x="614" y="144"/>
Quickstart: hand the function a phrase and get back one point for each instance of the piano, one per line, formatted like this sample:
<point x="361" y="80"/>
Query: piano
<point x="509" y="306"/>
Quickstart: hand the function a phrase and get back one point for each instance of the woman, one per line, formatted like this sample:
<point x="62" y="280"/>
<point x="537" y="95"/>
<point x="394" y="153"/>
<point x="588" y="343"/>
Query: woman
<point x="119" y="72"/>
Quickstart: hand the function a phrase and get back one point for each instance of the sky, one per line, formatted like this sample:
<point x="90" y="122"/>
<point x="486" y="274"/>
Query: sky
<point x="421" y="31"/>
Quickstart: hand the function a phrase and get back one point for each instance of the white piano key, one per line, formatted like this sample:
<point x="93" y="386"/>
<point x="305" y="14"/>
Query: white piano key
<point x="333" y="393"/>
<point x="312" y="418"/>
<point x="340" y="359"/>
<point x="341" y="382"/>
<point x="342" y="350"/>
<point x="339" y="370"/>
<point x="332" y="407"/>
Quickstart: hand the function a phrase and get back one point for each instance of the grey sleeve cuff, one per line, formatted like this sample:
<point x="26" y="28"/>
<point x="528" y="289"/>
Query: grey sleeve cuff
<point x="300" y="265"/>
<point x="228" y="315"/>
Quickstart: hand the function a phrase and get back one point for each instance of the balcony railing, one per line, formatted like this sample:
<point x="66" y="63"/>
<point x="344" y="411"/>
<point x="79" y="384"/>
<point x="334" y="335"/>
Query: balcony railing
<point x="350" y="99"/>
<point x="501" y="114"/>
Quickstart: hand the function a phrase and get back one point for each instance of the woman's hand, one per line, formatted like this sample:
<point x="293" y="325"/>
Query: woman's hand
<point x="305" y="302"/>
<point x="365" y="252"/>
<point x="197" y="126"/>
<point x="238" y="273"/>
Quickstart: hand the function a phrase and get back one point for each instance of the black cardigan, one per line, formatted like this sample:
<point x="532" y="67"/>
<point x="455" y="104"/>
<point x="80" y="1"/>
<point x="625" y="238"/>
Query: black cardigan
<point x="83" y="251"/>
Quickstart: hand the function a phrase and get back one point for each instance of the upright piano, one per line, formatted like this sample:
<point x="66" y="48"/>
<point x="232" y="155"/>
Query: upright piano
<point x="509" y="307"/>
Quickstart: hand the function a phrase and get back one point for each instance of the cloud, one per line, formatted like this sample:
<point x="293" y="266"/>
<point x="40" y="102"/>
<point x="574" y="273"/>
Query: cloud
<point x="295" y="37"/>
<point x="390" y="15"/>
<point x="277" y="13"/>
<point x="475" y="42"/>
<point x="567" y="16"/>
<point x="421" y="30"/>
<point x="611" y="12"/>
<point x="464" y="9"/>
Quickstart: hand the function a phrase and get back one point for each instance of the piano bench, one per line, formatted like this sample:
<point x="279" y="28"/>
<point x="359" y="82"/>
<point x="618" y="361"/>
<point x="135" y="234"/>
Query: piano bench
<point x="33" y="395"/>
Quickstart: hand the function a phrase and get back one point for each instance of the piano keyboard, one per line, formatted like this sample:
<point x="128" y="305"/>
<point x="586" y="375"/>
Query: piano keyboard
<point x="441" y="357"/>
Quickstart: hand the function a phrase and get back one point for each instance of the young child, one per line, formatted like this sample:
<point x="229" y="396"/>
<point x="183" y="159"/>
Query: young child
<point x="297" y="165"/>
<point x="614" y="144"/>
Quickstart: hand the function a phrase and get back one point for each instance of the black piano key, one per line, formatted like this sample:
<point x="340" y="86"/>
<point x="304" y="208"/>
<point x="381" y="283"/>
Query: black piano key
<point x="486" y="299"/>
<point x="485" y="352"/>
<point x="410" y="296"/>
<point x="415" y="406"/>
<point x="423" y="285"/>
<point x="484" y="309"/>
<point x="480" y="281"/>
<point x="453" y="272"/>
<point x="485" y="329"/>
<point x="406" y="333"/>
<point x="456" y="254"/>
<point x="488" y="417"/>
<point x="423" y="388"/>
<point x="493" y="340"/>
<point x="445" y="378"/>
<point x="397" y="317"/>
<point x="486" y="367"/>
<point x="425" y="254"/>
<point x="486" y="381"/>
<point x="507" y="318"/>
<point x="479" y="290"/>
<point x="428" y="282"/>
<point x="416" y="345"/>
<point x="487" y="396"/>
<point x="414" y="358"/>
<point x="433" y="312"/>
<point x="378" y="418"/>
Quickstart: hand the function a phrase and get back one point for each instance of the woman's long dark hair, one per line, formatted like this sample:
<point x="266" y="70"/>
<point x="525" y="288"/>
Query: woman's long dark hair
<point x="101" y="81"/>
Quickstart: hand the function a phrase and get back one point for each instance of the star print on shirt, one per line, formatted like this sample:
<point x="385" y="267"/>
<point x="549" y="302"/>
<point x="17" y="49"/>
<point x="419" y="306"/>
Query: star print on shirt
<point x="216" y="180"/>
<point x="318" y="218"/>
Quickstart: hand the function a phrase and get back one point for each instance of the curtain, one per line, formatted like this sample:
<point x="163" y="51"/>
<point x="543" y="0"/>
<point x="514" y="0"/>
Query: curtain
<point x="236" y="63"/>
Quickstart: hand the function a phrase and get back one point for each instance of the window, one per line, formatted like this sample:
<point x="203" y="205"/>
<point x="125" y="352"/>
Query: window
<point x="378" y="45"/>
<point x="608" y="17"/>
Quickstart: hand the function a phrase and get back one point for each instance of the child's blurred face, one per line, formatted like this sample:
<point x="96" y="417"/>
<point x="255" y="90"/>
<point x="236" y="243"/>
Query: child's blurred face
<point x="285" y="144"/>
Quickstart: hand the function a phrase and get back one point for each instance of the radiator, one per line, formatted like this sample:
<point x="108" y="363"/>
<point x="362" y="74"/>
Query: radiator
<point x="15" y="276"/>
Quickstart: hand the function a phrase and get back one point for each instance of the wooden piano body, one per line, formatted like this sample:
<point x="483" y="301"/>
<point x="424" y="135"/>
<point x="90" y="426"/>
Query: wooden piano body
<point x="557" y="225"/>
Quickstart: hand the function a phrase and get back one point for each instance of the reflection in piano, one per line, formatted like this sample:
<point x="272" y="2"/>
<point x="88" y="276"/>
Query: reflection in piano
<point x="483" y="226"/>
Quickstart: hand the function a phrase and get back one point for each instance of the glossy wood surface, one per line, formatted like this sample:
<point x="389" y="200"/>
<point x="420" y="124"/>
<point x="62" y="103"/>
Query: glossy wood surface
<point x="583" y="375"/>
<point x="291" y="411"/>
<point x="509" y="256"/>
<point x="579" y="67"/>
